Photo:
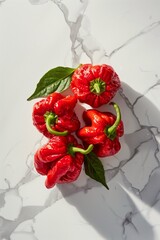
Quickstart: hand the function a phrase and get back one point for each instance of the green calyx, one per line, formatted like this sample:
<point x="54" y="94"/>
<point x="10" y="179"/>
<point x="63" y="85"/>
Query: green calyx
<point x="72" y="150"/>
<point x="110" y="131"/>
<point x="97" y="86"/>
<point x="50" y="120"/>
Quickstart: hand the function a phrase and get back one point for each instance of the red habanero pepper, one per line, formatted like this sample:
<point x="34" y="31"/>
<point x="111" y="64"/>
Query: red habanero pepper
<point x="95" y="85"/>
<point x="103" y="130"/>
<point x="54" y="115"/>
<point x="60" y="159"/>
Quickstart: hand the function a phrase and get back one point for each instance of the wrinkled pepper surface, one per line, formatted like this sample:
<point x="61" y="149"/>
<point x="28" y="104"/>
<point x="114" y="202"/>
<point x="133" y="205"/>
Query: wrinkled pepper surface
<point x="54" y="115"/>
<point x="102" y="129"/>
<point x="60" y="159"/>
<point x="95" y="85"/>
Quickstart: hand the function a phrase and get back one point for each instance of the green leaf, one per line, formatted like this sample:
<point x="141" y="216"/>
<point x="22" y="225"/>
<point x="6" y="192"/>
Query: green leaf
<point x="57" y="79"/>
<point x="94" y="168"/>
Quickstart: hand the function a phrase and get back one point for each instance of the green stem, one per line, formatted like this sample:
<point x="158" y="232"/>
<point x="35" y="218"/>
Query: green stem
<point x="97" y="88"/>
<point x="111" y="131"/>
<point x="73" y="150"/>
<point x="50" y="119"/>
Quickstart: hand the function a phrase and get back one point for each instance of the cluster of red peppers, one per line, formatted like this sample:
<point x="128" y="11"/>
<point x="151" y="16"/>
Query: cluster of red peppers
<point x="62" y="158"/>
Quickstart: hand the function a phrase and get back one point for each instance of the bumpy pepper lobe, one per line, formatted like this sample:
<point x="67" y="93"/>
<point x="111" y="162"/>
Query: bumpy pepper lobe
<point x="103" y="129"/>
<point x="62" y="116"/>
<point x="54" y="160"/>
<point x="85" y="84"/>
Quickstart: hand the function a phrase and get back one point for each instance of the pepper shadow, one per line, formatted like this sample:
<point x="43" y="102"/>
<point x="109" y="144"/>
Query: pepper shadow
<point x="115" y="214"/>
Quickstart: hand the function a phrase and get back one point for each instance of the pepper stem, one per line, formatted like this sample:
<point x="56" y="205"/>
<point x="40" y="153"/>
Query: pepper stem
<point x="73" y="150"/>
<point x="111" y="131"/>
<point x="97" y="86"/>
<point x="50" y="119"/>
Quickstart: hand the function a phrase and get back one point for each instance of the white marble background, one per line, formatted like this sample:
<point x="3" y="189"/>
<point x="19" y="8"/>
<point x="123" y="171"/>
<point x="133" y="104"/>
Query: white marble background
<point x="38" y="35"/>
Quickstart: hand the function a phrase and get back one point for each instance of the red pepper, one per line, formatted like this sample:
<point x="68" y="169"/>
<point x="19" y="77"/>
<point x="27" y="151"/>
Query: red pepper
<point x="103" y="130"/>
<point x="60" y="159"/>
<point x="95" y="85"/>
<point x="55" y="115"/>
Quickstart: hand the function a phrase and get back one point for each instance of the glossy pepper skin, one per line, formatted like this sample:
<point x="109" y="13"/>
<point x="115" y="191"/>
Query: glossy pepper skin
<point x="54" y="115"/>
<point x="95" y="85"/>
<point x="102" y="129"/>
<point x="60" y="159"/>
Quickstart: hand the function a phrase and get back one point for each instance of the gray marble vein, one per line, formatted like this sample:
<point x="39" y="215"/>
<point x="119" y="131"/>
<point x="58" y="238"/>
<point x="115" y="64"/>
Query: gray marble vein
<point x="131" y="208"/>
<point x="146" y="30"/>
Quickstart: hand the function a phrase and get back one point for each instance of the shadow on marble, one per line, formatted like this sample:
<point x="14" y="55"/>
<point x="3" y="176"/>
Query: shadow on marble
<point x="130" y="209"/>
<point x="131" y="205"/>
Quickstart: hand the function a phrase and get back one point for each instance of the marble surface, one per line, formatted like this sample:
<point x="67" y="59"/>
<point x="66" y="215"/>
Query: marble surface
<point x="38" y="35"/>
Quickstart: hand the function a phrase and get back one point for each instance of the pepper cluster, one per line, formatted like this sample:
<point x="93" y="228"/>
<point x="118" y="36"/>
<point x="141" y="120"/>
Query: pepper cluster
<point x="62" y="158"/>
